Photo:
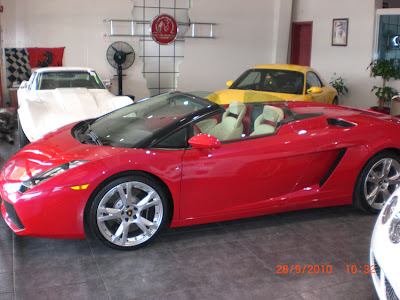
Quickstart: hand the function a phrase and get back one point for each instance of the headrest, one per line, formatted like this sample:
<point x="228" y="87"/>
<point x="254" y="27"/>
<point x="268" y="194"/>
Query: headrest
<point x="272" y="113"/>
<point x="396" y="98"/>
<point x="236" y="107"/>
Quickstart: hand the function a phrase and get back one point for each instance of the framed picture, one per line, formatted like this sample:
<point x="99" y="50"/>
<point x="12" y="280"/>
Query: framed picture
<point x="340" y="29"/>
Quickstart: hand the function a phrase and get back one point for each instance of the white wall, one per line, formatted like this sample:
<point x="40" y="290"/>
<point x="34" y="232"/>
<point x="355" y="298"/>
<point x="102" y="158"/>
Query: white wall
<point x="77" y="25"/>
<point x="350" y="62"/>
<point x="247" y="34"/>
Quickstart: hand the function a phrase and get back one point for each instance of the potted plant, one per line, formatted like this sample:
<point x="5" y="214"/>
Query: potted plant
<point x="387" y="69"/>
<point x="338" y="84"/>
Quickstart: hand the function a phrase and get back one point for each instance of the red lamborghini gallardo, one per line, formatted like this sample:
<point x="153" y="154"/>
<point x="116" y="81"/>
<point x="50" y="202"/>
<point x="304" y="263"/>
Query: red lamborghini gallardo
<point x="177" y="159"/>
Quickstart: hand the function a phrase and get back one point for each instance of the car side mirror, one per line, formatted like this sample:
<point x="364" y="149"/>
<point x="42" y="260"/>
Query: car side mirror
<point x="24" y="84"/>
<point x="204" y="141"/>
<point x="229" y="83"/>
<point x="314" y="90"/>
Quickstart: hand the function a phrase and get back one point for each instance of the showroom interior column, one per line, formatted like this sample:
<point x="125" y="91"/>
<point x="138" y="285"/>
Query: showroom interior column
<point x="281" y="31"/>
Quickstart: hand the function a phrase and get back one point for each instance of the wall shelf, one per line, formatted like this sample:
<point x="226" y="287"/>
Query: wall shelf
<point x="131" y="25"/>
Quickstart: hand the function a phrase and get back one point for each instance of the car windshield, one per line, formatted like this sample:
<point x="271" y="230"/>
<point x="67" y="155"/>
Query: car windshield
<point x="270" y="80"/>
<point x="68" y="79"/>
<point x="129" y="126"/>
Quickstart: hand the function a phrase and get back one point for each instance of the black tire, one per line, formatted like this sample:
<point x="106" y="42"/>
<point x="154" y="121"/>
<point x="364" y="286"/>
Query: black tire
<point x="129" y="225"/>
<point x="335" y="101"/>
<point x="377" y="180"/>
<point x="23" y="140"/>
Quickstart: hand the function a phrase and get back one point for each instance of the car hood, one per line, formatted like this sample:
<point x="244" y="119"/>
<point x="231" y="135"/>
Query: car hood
<point x="75" y="100"/>
<point x="54" y="149"/>
<point x="245" y="96"/>
<point x="52" y="109"/>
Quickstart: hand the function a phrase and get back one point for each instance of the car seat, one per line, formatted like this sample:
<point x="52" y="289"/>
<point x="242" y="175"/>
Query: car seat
<point x="270" y="84"/>
<point x="292" y="85"/>
<point x="395" y="106"/>
<point x="231" y="127"/>
<point x="271" y="114"/>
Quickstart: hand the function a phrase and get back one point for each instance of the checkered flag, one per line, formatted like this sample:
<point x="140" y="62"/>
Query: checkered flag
<point x="17" y="65"/>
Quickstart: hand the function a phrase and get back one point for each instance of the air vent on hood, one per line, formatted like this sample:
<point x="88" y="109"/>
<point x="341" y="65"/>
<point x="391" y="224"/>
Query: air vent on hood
<point x="340" y="123"/>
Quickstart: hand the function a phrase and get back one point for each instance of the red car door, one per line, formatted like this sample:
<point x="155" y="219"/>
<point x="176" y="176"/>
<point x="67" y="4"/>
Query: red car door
<point x="246" y="175"/>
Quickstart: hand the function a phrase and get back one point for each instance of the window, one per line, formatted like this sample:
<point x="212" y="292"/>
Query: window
<point x="52" y="80"/>
<point x="32" y="82"/>
<point x="271" y="80"/>
<point x="134" y="124"/>
<point x="389" y="37"/>
<point x="313" y="80"/>
<point x="177" y="140"/>
<point x="250" y="79"/>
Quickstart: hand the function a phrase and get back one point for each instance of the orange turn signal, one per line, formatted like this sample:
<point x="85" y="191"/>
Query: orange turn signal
<point x="80" y="187"/>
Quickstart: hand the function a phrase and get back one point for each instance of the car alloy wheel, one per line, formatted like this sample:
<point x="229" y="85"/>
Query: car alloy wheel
<point x="377" y="181"/>
<point x="128" y="212"/>
<point x="381" y="181"/>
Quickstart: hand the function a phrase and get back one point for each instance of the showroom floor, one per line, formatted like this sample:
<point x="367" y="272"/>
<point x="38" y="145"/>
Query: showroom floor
<point x="228" y="260"/>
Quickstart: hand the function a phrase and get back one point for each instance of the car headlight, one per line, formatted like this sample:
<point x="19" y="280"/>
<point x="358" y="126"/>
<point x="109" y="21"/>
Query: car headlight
<point x="394" y="231"/>
<point x="389" y="209"/>
<point x="37" y="179"/>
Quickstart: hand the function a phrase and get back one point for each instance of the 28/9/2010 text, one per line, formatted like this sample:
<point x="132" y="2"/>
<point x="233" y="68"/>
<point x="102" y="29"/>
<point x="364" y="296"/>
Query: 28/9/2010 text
<point x="321" y="269"/>
<point x="306" y="269"/>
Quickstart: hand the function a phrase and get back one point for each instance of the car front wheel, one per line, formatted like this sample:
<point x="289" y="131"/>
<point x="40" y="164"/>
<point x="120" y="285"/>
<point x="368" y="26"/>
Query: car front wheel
<point x="377" y="181"/>
<point x="127" y="213"/>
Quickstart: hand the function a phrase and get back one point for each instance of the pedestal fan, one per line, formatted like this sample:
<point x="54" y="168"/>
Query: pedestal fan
<point x="120" y="55"/>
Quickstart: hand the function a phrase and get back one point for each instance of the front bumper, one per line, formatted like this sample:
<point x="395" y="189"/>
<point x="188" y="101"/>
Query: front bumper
<point x="53" y="213"/>
<point x="11" y="216"/>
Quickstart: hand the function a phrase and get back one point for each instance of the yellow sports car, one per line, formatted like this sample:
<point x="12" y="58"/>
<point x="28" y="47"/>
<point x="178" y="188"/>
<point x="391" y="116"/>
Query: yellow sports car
<point x="277" y="82"/>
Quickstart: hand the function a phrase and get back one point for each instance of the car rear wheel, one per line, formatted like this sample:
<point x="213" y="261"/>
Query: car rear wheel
<point x="377" y="181"/>
<point x="335" y="101"/>
<point x="128" y="212"/>
<point x="23" y="140"/>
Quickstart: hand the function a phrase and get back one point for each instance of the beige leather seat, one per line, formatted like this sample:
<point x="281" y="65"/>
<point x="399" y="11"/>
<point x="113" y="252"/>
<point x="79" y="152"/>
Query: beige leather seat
<point x="270" y="113"/>
<point x="230" y="127"/>
<point x="395" y="106"/>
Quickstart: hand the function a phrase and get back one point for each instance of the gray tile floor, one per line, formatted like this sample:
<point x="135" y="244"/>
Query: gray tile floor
<point x="228" y="260"/>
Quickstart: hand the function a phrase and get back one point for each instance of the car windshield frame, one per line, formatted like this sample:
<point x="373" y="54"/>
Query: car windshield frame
<point x="292" y="82"/>
<point x="68" y="79"/>
<point x="142" y="123"/>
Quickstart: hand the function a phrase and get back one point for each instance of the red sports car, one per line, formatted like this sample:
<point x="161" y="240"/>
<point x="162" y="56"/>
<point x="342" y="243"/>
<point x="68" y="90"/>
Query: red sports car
<point x="177" y="159"/>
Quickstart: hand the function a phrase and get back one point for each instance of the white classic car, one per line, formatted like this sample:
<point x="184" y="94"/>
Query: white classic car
<point x="385" y="250"/>
<point x="56" y="96"/>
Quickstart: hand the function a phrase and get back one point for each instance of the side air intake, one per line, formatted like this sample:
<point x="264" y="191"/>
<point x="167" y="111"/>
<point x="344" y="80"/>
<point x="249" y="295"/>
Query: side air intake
<point x="340" y="123"/>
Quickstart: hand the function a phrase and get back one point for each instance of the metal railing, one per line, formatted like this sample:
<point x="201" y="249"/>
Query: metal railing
<point x="193" y="26"/>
